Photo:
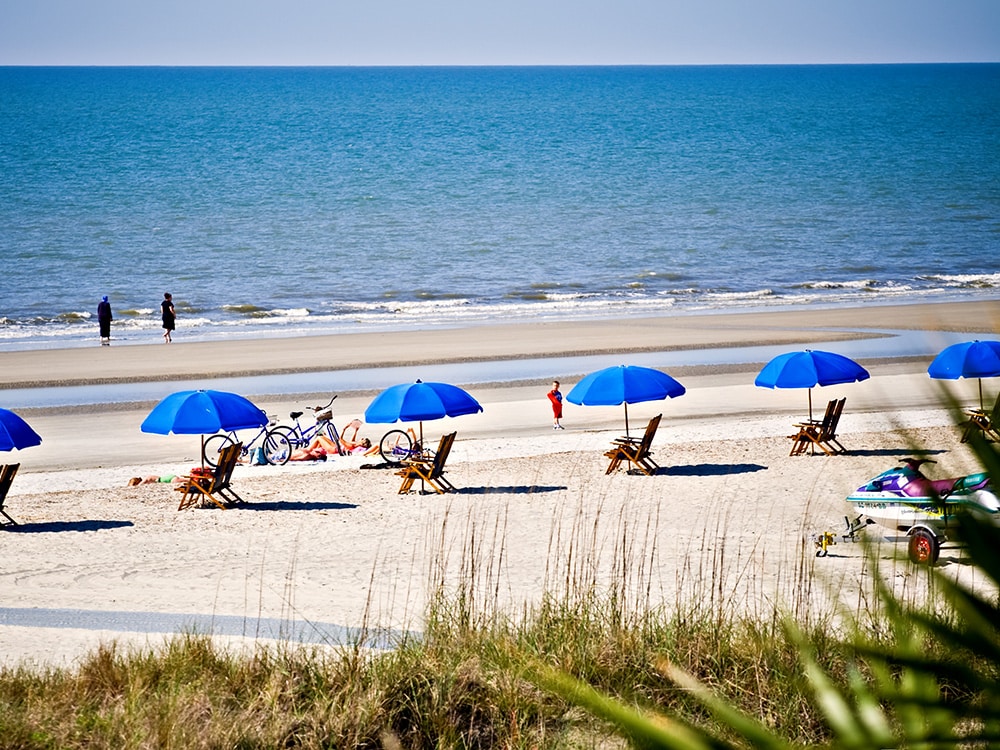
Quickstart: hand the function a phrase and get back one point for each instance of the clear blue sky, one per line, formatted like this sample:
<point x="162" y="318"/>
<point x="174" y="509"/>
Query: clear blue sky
<point x="495" y="32"/>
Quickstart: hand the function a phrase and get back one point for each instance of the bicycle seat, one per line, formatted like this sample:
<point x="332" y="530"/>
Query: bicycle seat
<point x="296" y="414"/>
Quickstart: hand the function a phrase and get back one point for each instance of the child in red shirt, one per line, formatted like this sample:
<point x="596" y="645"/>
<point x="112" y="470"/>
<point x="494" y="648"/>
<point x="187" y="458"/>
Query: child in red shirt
<point x="556" y="398"/>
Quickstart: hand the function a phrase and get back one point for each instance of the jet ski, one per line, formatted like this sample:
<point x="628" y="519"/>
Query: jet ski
<point x="903" y="499"/>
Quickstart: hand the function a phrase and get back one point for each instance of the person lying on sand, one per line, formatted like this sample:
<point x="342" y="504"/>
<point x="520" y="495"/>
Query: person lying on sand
<point x="322" y="446"/>
<point x="352" y="444"/>
<point x="172" y="478"/>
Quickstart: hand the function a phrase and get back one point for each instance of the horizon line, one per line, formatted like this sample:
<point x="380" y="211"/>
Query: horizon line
<point x="497" y="65"/>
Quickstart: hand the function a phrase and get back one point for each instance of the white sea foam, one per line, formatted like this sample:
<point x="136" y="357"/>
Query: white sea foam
<point x="289" y="313"/>
<point x="973" y="280"/>
<point x="855" y="284"/>
<point x="754" y="295"/>
<point x="341" y="317"/>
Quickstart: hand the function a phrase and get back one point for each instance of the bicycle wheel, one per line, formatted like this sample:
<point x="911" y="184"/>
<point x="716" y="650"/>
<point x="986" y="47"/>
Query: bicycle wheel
<point x="330" y="431"/>
<point x="213" y="447"/>
<point x="278" y="444"/>
<point x="395" y="446"/>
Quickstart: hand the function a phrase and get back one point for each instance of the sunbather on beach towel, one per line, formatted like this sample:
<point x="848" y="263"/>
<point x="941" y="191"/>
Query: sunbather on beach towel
<point x="171" y="478"/>
<point x="352" y="444"/>
<point x="322" y="446"/>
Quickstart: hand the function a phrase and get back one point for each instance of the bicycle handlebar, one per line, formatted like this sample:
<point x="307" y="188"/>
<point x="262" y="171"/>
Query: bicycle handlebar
<point x="328" y="404"/>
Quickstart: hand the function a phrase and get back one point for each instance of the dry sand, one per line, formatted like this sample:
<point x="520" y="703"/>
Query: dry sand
<point x="327" y="546"/>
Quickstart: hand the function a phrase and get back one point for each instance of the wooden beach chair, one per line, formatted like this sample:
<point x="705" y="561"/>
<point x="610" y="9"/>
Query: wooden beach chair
<point x="7" y="473"/>
<point x="214" y="487"/>
<point x="809" y="430"/>
<point x="985" y="422"/>
<point x="822" y="434"/>
<point x="430" y="471"/>
<point x="636" y="453"/>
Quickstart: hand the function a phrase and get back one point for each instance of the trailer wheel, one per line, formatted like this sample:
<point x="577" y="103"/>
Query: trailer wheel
<point x="923" y="547"/>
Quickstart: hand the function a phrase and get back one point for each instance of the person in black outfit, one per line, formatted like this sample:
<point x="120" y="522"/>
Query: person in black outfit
<point x="169" y="316"/>
<point x="104" y="318"/>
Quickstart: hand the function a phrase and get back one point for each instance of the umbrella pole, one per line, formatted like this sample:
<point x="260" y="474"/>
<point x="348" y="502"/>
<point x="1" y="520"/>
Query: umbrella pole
<point x="422" y="453"/>
<point x="982" y="407"/>
<point x="626" y="419"/>
<point x="810" y="404"/>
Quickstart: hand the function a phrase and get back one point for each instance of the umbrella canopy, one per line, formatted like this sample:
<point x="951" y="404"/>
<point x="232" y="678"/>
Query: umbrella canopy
<point x="970" y="359"/>
<point x="808" y="369"/>
<point x="415" y="402"/>
<point x="624" y="384"/>
<point x="15" y="432"/>
<point x="203" y="412"/>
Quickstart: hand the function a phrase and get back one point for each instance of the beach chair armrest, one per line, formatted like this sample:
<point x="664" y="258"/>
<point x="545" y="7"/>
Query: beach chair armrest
<point x="200" y="481"/>
<point x="626" y="441"/>
<point x="416" y="461"/>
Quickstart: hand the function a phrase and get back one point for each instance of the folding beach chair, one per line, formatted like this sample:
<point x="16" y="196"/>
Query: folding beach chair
<point x="212" y="487"/>
<point x="986" y="422"/>
<point x="638" y="454"/>
<point x="431" y="471"/>
<point x="822" y="434"/>
<point x="7" y="473"/>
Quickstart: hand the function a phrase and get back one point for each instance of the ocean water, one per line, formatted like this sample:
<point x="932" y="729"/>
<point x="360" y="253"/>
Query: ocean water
<point x="287" y="201"/>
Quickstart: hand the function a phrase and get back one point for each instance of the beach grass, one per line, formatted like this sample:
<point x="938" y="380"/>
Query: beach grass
<point x="461" y="684"/>
<point x="466" y="682"/>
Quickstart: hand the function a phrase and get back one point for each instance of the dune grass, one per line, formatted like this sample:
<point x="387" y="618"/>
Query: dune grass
<point x="593" y="664"/>
<point x="463" y="683"/>
<point x="460" y="685"/>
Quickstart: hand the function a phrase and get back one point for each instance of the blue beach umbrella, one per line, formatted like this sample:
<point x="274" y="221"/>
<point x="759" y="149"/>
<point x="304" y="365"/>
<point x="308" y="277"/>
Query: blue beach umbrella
<point x="970" y="359"/>
<point x="624" y="384"/>
<point x="15" y="433"/>
<point x="203" y="412"/>
<point x="415" y="402"/>
<point x="808" y="369"/>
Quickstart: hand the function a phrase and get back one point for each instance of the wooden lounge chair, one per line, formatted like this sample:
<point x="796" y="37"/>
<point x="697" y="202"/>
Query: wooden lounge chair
<point x="212" y="487"/>
<point x="637" y="453"/>
<point x="988" y="423"/>
<point x="822" y="434"/>
<point x="7" y="473"/>
<point x="430" y="471"/>
<point x="808" y="431"/>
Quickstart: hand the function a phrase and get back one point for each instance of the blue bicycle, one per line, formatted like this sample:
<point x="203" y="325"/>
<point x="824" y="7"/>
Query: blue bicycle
<point x="217" y="443"/>
<point x="284" y="439"/>
<point x="397" y="446"/>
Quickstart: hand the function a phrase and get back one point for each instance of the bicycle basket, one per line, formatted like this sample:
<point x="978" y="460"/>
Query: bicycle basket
<point x="324" y="416"/>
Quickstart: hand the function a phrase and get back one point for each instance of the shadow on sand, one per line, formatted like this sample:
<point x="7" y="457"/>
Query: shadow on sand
<point x="711" y="470"/>
<point x="894" y="452"/>
<point x="292" y="505"/>
<point x="49" y="526"/>
<point x="524" y="489"/>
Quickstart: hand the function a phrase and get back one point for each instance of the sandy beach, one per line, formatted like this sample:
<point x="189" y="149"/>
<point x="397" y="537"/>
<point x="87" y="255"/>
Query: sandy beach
<point x="322" y="548"/>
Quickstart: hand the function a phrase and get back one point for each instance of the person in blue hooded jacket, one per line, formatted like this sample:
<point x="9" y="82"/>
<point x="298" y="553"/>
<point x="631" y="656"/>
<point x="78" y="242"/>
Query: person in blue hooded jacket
<point x="104" y="318"/>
